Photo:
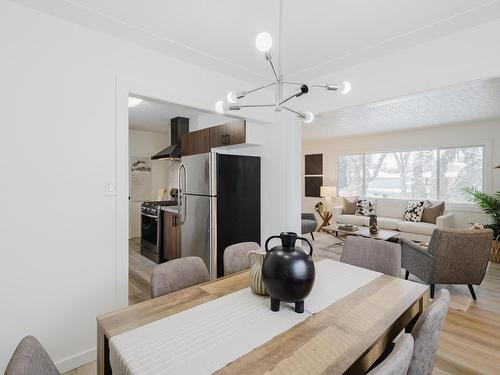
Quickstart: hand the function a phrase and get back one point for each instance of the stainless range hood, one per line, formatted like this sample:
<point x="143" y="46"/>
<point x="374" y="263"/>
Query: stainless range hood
<point x="178" y="126"/>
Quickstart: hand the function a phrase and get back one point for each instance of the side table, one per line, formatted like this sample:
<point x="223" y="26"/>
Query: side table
<point x="326" y="216"/>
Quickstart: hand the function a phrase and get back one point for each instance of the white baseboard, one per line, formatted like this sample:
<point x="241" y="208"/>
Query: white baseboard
<point x="77" y="360"/>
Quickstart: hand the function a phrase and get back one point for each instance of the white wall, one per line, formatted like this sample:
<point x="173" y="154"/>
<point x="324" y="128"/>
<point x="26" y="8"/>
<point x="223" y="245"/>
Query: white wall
<point x="485" y="133"/>
<point x="58" y="266"/>
<point x="163" y="172"/>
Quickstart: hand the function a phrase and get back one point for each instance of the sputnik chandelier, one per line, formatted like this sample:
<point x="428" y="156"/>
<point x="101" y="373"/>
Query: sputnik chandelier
<point x="264" y="42"/>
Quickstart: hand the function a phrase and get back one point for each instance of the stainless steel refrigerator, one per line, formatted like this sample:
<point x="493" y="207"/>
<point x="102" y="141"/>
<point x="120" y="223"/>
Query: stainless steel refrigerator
<point x="219" y="205"/>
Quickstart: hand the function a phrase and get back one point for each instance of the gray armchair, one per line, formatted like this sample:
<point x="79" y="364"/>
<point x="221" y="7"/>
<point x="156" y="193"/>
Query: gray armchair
<point x="454" y="256"/>
<point x="309" y="224"/>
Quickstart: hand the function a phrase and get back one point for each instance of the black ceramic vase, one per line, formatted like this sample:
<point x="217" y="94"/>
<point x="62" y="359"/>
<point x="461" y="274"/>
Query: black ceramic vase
<point x="288" y="272"/>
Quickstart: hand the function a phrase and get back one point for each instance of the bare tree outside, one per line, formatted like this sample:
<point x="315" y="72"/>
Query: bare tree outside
<point x="412" y="174"/>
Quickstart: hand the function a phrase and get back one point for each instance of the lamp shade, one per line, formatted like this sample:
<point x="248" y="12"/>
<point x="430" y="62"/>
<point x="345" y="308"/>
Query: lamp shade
<point x="328" y="191"/>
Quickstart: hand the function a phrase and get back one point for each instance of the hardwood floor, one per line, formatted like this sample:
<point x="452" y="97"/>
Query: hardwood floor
<point x="140" y="269"/>
<point x="469" y="343"/>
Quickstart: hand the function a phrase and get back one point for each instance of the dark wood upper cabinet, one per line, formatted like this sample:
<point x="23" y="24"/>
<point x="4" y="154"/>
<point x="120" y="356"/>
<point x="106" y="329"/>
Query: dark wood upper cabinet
<point x="232" y="133"/>
<point x="171" y="236"/>
<point x="201" y="141"/>
<point x="197" y="142"/>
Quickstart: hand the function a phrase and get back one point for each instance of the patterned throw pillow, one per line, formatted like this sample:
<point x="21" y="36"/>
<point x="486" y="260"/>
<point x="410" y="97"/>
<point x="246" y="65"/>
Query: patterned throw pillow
<point x="414" y="211"/>
<point x="365" y="207"/>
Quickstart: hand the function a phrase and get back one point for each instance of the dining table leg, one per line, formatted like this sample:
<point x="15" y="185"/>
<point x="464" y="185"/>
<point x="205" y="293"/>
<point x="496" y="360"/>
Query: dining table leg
<point x="103" y="364"/>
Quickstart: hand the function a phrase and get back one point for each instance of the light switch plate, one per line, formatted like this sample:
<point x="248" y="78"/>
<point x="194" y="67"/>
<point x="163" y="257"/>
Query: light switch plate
<point x="110" y="188"/>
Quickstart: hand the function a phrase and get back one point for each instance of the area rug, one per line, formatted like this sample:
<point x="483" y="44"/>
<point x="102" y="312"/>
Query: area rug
<point x="327" y="246"/>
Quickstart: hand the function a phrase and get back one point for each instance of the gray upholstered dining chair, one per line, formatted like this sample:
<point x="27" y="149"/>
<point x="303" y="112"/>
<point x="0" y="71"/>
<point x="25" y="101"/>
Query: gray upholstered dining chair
<point x="376" y="255"/>
<point x="308" y="224"/>
<point x="236" y="257"/>
<point x="454" y="256"/>
<point x="178" y="274"/>
<point x="398" y="361"/>
<point x="426" y="335"/>
<point x="30" y="358"/>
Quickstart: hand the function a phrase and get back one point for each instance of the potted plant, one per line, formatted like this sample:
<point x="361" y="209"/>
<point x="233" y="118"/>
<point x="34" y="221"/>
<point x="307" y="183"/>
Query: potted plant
<point x="490" y="204"/>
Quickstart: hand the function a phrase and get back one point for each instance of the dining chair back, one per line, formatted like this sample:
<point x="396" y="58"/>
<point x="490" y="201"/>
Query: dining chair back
<point x="236" y="257"/>
<point x="426" y="334"/>
<point x="30" y="358"/>
<point x="177" y="274"/>
<point x="376" y="255"/>
<point x="398" y="361"/>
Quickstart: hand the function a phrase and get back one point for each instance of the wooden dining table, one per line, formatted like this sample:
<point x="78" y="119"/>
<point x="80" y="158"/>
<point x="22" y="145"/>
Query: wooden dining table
<point x="345" y="338"/>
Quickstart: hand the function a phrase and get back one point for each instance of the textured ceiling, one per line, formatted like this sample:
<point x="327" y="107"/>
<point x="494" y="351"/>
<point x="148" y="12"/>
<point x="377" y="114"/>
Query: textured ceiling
<point x="467" y="102"/>
<point x="318" y="36"/>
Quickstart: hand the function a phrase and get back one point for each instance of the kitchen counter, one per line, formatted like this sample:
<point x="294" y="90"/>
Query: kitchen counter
<point x="172" y="209"/>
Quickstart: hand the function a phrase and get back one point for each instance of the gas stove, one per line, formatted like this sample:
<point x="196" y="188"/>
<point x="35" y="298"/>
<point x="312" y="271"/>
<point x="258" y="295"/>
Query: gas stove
<point x="153" y="207"/>
<point x="151" y="228"/>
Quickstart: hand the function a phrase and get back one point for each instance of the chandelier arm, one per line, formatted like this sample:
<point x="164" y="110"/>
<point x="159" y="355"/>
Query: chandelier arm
<point x="268" y="58"/>
<point x="328" y="87"/>
<point x="287" y="99"/>
<point x="256" y="105"/>
<point x="293" y="111"/>
<point x="259" y="88"/>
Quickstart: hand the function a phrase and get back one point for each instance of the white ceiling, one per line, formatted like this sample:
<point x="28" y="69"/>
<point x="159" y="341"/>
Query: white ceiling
<point x="467" y="102"/>
<point x="318" y="36"/>
<point x="155" y="116"/>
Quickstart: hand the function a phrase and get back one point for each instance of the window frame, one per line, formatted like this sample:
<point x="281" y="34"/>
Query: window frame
<point x="438" y="168"/>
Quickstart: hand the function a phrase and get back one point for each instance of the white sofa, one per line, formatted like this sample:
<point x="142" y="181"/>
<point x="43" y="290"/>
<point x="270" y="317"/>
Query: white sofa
<point x="390" y="214"/>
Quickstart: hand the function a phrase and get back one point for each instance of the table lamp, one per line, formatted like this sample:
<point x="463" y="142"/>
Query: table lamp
<point x="328" y="192"/>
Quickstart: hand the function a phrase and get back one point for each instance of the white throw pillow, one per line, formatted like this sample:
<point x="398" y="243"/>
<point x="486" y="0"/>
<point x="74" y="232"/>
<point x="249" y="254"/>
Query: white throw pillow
<point x="365" y="207"/>
<point x="414" y="211"/>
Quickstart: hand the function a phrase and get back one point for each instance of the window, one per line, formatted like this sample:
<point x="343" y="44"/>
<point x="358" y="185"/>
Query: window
<point x="459" y="167"/>
<point x="350" y="175"/>
<point x="427" y="174"/>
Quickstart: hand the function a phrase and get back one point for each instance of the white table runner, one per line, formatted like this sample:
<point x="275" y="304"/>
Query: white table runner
<point x="207" y="337"/>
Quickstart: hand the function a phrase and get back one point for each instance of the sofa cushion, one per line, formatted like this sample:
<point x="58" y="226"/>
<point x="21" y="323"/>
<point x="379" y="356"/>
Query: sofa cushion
<point x="432" y="211"/>
<point x="414" y="211"/>
<point x="388" y="222"/>
<point x="394" y="208"/>
<point x="353" y="219"/>
<point x="366" y="207"/>
<point x="418" y="228"/>
<point x="349" y="206"/>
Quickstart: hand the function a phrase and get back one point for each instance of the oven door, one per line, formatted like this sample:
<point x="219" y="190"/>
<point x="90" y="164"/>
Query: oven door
<point x="149" y="231"/>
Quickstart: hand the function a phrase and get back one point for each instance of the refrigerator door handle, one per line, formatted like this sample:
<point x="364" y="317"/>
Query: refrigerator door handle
<point x="181" y="207"/>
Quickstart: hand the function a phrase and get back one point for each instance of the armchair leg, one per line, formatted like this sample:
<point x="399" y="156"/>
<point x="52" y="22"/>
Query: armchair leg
<point x="471" y="289"/>
<point x="432" y="290"/>
<point x="312" y="236"/>
<point x="407" y="274"/>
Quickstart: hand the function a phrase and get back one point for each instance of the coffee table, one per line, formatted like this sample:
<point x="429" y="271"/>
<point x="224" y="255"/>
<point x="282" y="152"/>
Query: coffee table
<point x="383" y="234"/>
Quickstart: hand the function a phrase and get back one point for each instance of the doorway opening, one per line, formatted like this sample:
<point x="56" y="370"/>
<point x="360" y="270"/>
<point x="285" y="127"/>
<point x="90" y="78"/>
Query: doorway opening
<point x="154" y="131"/>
